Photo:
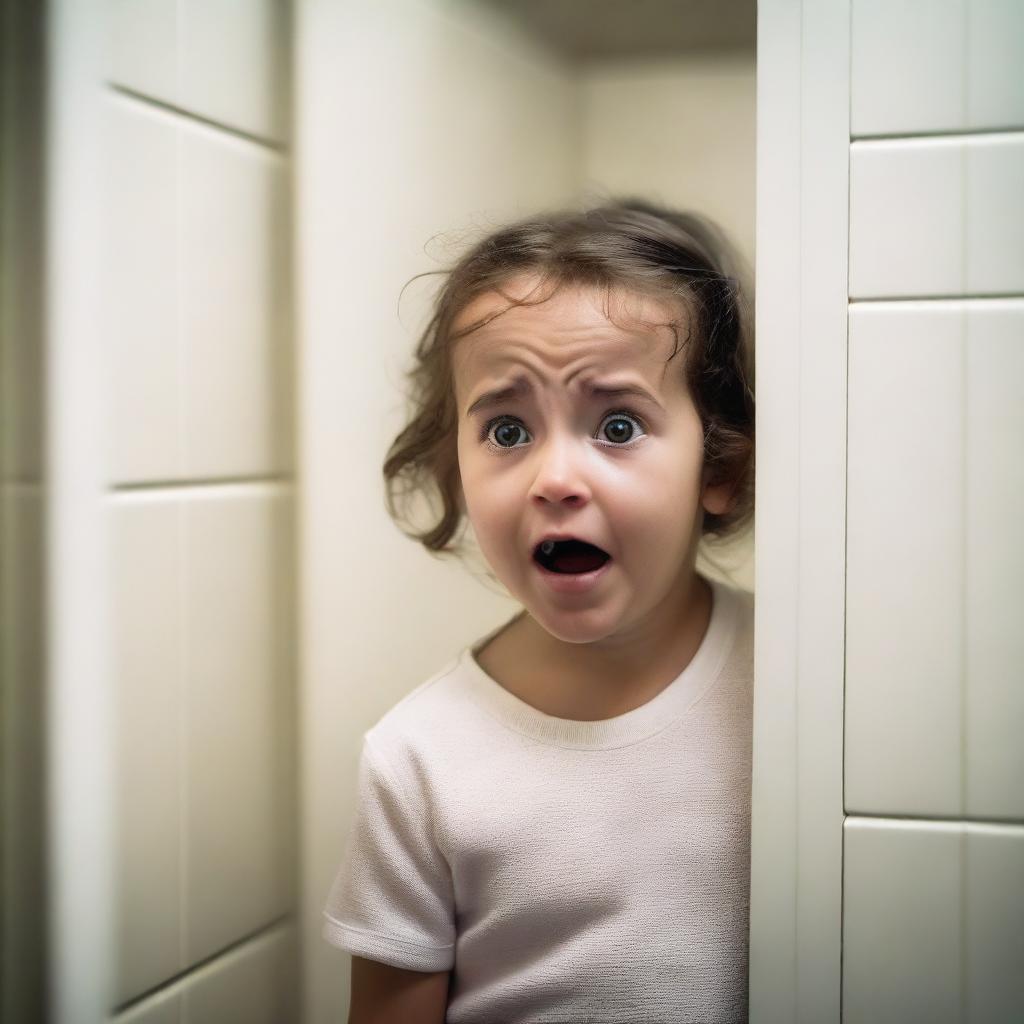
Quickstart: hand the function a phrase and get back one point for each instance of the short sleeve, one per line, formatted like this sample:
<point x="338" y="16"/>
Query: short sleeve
<point x="391" y="900"/>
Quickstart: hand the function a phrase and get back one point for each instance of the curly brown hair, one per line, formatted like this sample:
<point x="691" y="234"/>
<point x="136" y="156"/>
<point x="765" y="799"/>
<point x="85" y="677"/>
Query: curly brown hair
<point x="626" y="243"/>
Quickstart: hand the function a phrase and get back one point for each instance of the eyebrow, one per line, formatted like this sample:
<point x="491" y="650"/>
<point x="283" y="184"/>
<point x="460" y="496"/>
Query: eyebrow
<point x="521" y="386"/>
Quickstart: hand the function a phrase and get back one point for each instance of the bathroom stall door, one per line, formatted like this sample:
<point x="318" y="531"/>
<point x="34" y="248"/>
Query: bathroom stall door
<point x="888" y="842"/>
<point x="797" y="808"/>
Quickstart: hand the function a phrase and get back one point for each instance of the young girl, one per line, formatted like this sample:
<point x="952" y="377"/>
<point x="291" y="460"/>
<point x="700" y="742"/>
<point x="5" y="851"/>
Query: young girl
<point x="555" y="827"/>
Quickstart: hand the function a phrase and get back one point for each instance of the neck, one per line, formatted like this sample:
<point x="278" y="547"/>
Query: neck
<point x="605" y="678"/>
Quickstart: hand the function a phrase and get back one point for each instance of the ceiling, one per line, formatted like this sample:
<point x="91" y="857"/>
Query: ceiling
<point x="589" y="29"/>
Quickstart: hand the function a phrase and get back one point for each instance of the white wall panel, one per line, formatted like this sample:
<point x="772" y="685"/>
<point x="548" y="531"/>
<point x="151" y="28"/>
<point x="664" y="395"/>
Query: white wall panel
<point x="234" y="63"/>
<point x="140" y="268"/>
<point x="994" y="707"/>
<point x="933" y="922"/>
<point x="222" y="60"/>
<point x="142" y="47"/>
<point x="901" y="79"/>
<point x="196" y="301"/>
<point x="901" y="922"/>
<point x="251" y="984"/>
<point x="905" y="572"/>
<point x="995" y="54"/>
<point x="936" y="66"/>
<point x="933" y="217"/>
<point x="995" y="212"/>
<point x="934" y="705"/>
<point x="906" y="218"/>
<point x="233" y="277"/>
<point x="147" y="663"/>
<point x="201" y="602"/>
<point x="237" y="605"/>
<point x="163" y="1008"/>
<point x="994" y="923"/>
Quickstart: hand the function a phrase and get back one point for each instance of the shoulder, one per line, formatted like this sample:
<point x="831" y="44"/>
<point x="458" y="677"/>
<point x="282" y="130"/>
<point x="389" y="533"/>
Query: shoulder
<point x="422" y="707"/>
<point x="435" y="737"/>
<point x="431" y="724"/>
<point x="445" y="697"/>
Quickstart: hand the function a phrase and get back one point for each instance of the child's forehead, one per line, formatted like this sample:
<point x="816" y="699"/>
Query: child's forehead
<point x="616" y="323"/>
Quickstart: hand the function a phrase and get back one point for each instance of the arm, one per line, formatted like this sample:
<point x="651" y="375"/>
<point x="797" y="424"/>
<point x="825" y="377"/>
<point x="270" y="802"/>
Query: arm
<point x="382" y="994"/>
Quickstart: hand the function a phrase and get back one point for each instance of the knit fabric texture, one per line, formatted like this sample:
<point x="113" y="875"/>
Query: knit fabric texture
<point x="563" y="870"/>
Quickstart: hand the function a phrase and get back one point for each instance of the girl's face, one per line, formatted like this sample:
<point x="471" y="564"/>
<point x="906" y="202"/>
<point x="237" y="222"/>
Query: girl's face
<point x="622" y="471"/>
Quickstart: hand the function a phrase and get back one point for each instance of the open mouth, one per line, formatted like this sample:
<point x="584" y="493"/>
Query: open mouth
<point x="569" y="556"/>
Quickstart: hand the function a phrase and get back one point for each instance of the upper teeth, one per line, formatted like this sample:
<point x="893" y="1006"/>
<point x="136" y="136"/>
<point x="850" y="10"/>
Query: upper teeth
<point x="547" y="547"/>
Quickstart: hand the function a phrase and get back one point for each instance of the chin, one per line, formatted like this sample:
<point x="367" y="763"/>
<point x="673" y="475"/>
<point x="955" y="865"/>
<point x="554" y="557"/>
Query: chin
<point x="574" y="627"/>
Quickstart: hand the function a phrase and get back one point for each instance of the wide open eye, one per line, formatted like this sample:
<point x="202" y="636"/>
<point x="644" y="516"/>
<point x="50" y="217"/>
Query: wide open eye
<point x="620" y="427"/>
<point x="507" y="433"/>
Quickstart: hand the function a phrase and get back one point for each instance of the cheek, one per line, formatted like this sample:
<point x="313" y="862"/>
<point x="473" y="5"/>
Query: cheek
<point x="487" y="507"/>
<point x="656" y="513"/>
<point x="469" y="466"/>
<point x="481" y="494"/>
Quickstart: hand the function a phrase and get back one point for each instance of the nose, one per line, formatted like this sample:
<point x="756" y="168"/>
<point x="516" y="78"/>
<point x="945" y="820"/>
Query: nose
<point x="560" y="476"/>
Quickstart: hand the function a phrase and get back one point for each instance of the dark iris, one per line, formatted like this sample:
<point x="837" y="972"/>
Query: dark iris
<point x="618" y="429"/>
<point x="507" y="432"/>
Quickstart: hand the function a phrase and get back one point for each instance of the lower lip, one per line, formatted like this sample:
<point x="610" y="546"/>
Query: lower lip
<point x="572" y="582"/>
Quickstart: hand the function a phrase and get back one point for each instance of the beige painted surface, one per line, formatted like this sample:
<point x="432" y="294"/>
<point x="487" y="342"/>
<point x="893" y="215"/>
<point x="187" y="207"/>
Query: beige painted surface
<point x="681" y="130"/>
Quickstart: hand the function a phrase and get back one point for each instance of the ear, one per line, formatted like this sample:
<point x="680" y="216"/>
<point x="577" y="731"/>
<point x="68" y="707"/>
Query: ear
<point x="718" y="498"/>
